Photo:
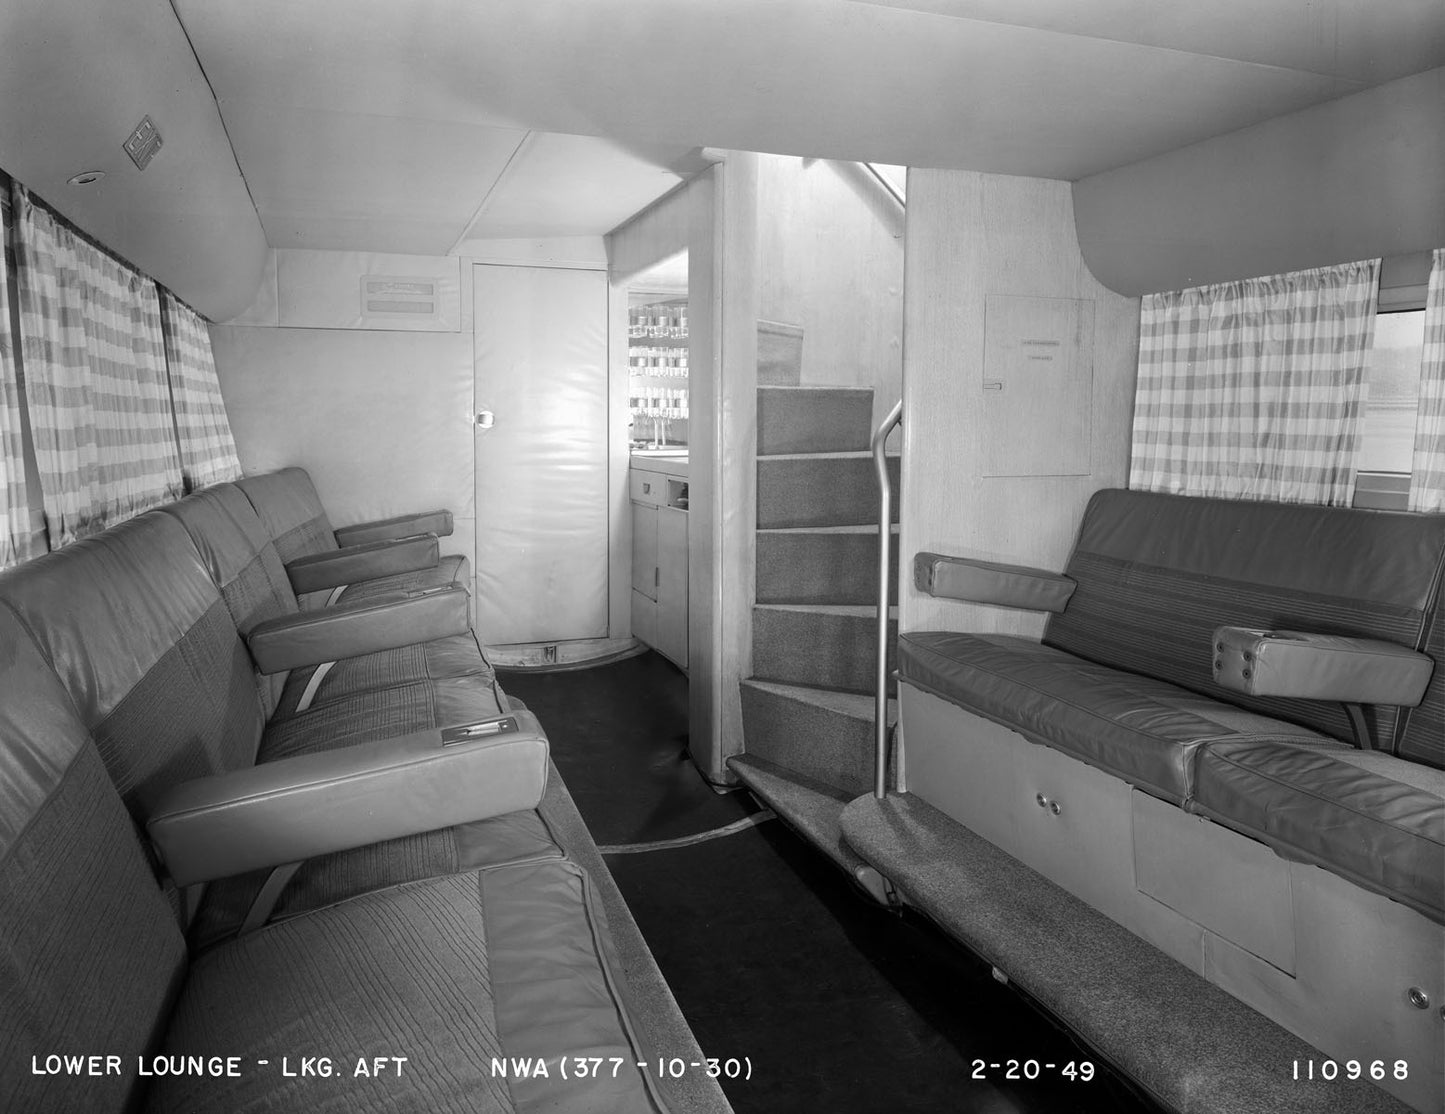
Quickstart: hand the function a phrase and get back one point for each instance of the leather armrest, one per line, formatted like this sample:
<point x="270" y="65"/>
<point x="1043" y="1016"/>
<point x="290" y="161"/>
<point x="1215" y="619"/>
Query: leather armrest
<point x="296" y="808"/>
<point x="384" y="623"/>
<point x="402" y="526"/>
<point x="363" y="562"/>
<point x="962" y="578"/>
<point x="1319" y="667"/>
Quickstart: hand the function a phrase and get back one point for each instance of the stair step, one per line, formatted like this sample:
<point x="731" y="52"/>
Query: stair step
<point x="836" y="564"/>
<point x="821" y="646"/>
<point x="780" y="354"/>
<point x="817" y="733"/>
<point x="814" y="419"/>
<point x="809" y="807"/>
<point x="1157" y="1020"/>
<point x="833" y="489"/>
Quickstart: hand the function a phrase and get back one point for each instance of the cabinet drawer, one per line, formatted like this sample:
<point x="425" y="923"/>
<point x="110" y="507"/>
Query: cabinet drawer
<point x="647" y="487"/>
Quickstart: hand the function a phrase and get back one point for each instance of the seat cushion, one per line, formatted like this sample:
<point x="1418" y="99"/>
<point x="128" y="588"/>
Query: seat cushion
<point x="1372" y="818"/>
<point x="517" y="837"/>
<point x="453" y="973"/>
<point x="450" y="658"/>
<point x="1142" y="730"/>
<point x="382" y="713"/>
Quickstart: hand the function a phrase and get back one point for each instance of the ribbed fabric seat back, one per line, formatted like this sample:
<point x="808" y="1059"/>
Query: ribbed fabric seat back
<point x="1158" y="573"/>
<point x="1423" y="737"/>
<point x="92" y="956"/>
<point x="288" y="505"/>
<point x="142" y="641"/>
<point x="242" y="559"/>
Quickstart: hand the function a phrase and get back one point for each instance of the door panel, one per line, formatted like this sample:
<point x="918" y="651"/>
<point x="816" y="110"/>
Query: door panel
<point x="540" y="369"/>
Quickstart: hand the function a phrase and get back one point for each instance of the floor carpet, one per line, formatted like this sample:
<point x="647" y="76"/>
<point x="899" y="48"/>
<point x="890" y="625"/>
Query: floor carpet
<point x="836" y="1004"/>
<point x="618" y="734"/>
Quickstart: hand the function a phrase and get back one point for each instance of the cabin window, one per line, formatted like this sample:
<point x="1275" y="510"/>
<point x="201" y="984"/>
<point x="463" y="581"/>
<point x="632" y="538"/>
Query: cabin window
<point x="1387" y="438"/>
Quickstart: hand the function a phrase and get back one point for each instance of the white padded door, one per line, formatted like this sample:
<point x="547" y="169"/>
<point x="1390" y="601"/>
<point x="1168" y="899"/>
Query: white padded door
<point x="542" y="516"/>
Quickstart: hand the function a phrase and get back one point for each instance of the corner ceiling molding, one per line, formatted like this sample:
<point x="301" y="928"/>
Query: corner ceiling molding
<point x="470" y="231"/>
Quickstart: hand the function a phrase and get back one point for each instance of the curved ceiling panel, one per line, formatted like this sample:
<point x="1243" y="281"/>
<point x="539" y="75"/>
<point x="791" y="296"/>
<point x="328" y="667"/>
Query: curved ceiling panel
<point x="1357" y="178"/>
<point x="74" y="80"/>
<point x="825" y="78"/>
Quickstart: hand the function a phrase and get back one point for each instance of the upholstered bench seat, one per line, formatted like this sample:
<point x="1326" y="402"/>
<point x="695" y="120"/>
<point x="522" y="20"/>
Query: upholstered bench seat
<point x="1366" y="816"/>
<point x="1146" y="731"/>
<point x="243" y="561"/>
<point x="297" y="522"/>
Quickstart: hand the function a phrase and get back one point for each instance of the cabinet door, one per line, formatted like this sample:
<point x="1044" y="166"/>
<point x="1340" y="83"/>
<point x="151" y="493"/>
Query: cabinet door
<point x="644" y="619"/>
<point x="644" y="550"/>
<point x="672" y="584"/>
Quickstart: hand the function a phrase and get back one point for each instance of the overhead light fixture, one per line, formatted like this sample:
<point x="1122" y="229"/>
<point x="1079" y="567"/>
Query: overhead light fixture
<point x="86" y="178"/>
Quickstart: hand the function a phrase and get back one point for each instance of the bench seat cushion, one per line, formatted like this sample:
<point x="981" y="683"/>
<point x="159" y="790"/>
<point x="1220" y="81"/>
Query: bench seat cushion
<point x="441" y="659"/>
<point x="1369" y="817"/>
<point x="451" y="973"/>
<point x="381" y="713"/>
<point x="1140" y="729"/>
<point x="516" y="837"/>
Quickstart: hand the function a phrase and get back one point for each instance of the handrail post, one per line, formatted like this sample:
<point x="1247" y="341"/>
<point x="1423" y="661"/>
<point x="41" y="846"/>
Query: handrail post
<point x="885" y="532"/>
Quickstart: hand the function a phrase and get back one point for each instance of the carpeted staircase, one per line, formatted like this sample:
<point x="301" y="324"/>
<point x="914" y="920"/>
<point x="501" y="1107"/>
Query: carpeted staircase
<point x="808" y="707"/>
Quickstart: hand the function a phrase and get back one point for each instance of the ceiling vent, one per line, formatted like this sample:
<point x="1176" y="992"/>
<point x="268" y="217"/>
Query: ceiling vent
<point x="394" y="296"/>
<point x="143" y="143"/>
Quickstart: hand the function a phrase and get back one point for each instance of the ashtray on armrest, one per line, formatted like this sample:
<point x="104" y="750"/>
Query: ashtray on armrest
<point x="468" y="732"/>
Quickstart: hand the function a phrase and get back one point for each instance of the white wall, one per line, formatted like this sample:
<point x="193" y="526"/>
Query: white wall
<point x="378" y="410"/>
<point x="971" y="236"/>
<point x="830" y="258"/>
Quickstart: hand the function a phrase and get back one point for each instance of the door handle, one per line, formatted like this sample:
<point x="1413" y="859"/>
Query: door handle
<point x="485" y="419"/>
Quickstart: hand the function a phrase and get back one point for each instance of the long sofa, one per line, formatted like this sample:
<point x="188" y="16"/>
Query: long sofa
<point x="1231" y="740"/>
<point x="262" y="852"/>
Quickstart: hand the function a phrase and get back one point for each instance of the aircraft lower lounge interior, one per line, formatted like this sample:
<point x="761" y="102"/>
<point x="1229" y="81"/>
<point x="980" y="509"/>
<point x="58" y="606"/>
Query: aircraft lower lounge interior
<point x="624" y="555"/>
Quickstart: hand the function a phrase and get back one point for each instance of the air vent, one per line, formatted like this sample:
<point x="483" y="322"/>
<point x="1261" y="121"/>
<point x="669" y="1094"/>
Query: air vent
<point x="394" y="296"/>
<point x="143" y="143"/>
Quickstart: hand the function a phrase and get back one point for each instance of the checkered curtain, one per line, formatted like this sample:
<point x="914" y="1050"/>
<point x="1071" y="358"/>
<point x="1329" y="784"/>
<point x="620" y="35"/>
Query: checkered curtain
<point x="95" y="378"/>
<point x="1427" y="482"/>
<point x="1255" y="389"/>
<point x="19" y="540"/>
<point x="208" y="451"/>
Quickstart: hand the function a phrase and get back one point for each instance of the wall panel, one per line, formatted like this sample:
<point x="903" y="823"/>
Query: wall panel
<point x="830" y="258"/>
<point x="379" y="419"/>
<point x="971" y="236"/>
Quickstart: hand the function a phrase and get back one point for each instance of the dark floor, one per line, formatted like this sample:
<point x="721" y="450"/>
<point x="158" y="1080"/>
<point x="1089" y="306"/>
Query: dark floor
<point x="837" y="1004"/>
<point x="619" y="735"/>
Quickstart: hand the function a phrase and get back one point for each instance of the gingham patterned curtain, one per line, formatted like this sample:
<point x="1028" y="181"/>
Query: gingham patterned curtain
<point x="19" y="541"/>
<point x="1427" y="481"/>
<point x="208" y="451"/>
<point x="95" y="378"/>
<point x="1255" y="389"/>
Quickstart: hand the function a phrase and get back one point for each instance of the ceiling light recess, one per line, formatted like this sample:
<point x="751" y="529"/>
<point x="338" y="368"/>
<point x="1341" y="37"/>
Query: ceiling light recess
<point x="86" y="178"/>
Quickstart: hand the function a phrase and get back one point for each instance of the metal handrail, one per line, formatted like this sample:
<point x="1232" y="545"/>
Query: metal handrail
<point x="885" y="532"/>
